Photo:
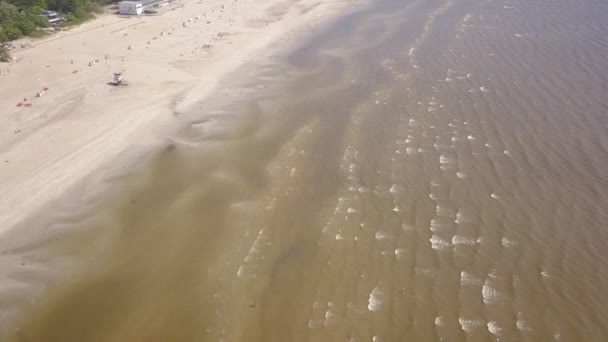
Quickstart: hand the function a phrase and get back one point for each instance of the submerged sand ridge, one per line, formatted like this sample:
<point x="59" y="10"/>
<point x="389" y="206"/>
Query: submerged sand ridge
<point x="399" y="176"/>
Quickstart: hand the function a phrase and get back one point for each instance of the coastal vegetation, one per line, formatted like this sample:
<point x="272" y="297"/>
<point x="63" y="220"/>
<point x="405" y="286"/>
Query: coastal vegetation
<point x="4" y="56"/>
<point x="20" y="18"/>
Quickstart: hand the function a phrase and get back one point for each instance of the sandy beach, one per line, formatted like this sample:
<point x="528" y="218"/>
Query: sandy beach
<point x="81" y="122"/>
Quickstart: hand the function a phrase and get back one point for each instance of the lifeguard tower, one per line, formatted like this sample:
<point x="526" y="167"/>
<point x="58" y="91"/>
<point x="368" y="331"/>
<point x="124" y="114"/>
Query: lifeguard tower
<point x="118" y="80"/>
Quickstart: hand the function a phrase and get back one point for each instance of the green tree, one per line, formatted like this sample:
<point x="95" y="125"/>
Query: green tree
<point x="11" y="30"/>
<point x="26" y="26"/>
<point x="35" y="10"/>
<point x="22" y="17"/>
<point x="7" y="11"/>
<point x="4" y="55"/>
<point x="25" y="4"/>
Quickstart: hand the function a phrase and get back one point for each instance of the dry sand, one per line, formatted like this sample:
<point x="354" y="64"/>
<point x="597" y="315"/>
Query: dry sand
<point x="81" y="122"/>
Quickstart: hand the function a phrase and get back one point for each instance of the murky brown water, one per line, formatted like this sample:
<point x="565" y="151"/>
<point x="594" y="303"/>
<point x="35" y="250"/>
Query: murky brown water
<point x="422" y="170"/>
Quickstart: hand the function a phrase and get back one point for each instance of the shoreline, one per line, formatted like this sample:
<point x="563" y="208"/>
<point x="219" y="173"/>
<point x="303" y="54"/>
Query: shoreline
<point x="82" y="123"/>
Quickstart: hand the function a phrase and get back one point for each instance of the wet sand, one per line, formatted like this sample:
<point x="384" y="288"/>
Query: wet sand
<point x="423" y="170"/>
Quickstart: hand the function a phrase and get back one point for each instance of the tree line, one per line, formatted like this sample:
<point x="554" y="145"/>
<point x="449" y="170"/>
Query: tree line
<point x="20" y="18"/>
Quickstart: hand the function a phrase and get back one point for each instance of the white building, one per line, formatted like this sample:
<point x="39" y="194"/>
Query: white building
<point x="53" y="17"/>
<point x="130" y="7"/>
